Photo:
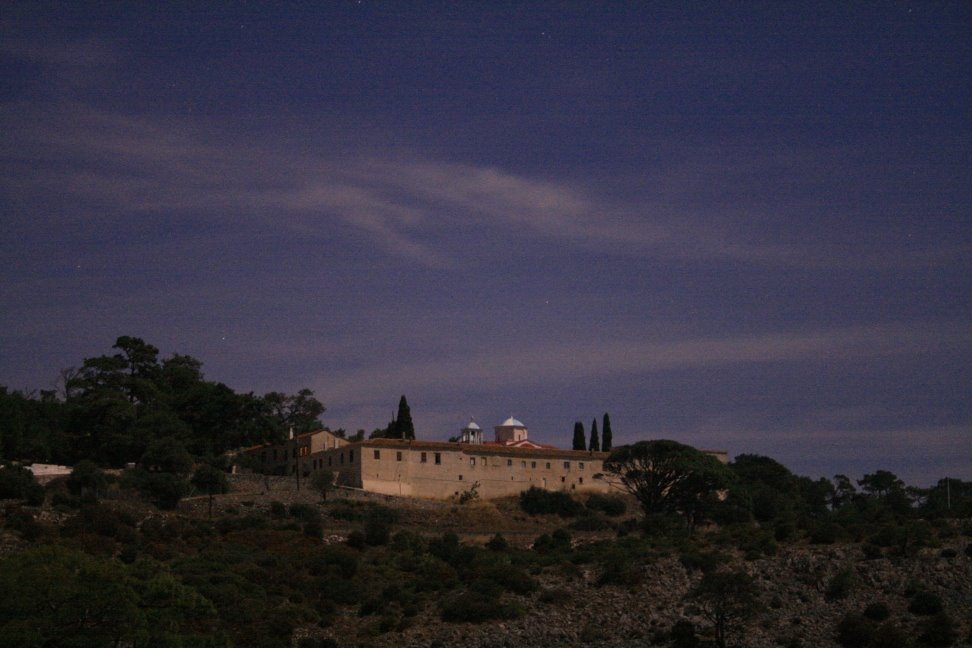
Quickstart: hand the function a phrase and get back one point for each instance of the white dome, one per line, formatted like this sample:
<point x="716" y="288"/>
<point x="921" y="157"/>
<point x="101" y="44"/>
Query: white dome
<point x="471" y="426"/>
<point x="511" y="422"/>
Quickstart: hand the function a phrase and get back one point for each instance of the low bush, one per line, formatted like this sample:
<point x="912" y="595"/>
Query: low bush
<point x="925" y="604"/>
<point x="607" y="504"/>
<point x="854" y="631"/>
<point x="498" y="543"/>
<point x="703" y="561"/>
<point x="304" y="512"/>
<point x="472" y="607"/>
<point x="840" y="585"/>
<point x="16" y="482"/>
<point x="591" y="523"/>
<point x="937" y="630"/>
<point x="537" y="501"/>
<point x="877" y="611"/>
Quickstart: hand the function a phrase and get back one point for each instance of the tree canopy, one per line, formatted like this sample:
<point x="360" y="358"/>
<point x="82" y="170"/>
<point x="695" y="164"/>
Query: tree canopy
<point x="668" y="477"/>
<point x="115" y="405"/>
<point x="580" y="440"/>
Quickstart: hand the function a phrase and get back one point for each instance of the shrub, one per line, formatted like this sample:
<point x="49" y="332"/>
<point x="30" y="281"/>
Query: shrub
<point x="824" y="533"/>
<point x="683" y="634"/>
<point x="590" y="523"/>
<point x="537" y="501"/>
<point x="16" y="482"/>
<point x="498" y="543"/>
<point x="925" y="604"/>
<point x="377" y="530"/>
<point x="314" y="528"/>
<point x="304" y="512"/>
<point x="612" y="506"/>
<point x="703" y="561"/>
<point x="356" y="539"/>
<point x="854" y="631"/>
<point x="889" y="635"/>
<point x="877" y="611"/>
<point x="472" y="607"/>
<point x="277" y="509"/>
<point x="839" y="585"/>
<point x="938" y="630"/>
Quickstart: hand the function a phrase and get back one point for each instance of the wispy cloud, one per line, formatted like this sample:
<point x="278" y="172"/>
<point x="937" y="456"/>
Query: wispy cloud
<point x="559" y="364"/>
<point x="408" y="205"/>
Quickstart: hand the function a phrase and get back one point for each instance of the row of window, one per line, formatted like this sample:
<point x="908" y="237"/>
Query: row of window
<point x="424" y="458"/>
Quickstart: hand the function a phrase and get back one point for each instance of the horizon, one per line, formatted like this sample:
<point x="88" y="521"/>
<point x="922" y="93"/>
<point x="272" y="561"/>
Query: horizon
<point x="738" y="227"/>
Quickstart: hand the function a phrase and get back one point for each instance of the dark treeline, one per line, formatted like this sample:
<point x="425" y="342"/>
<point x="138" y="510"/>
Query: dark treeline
<point x="112" y="408"/>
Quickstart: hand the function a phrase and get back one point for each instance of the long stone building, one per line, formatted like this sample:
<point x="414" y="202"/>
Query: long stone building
<point x="507" y="465"/>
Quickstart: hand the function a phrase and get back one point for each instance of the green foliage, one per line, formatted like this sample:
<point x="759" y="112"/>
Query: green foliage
<point x="164" y="489"/>
<point x="607" y="504"/>
<point x="474" y="607"/>
<point x="591" y="523"/>
<point x="925" y="603"/>
<point x="87" y="480"/>
<point x="595" y="443"/>
<point x="878" y="611"/>
<point x="498" y="543"/>
<point x="323" y="483"/>
<point x="703" y="561"/>
<point x="937" y="630"/>
<point x="537" y="501"/>
<point x="726" y="599"/>
<point x="580" y="441"/>
<point x="607" y="437"/>
<point x="840" y="585"/>
<point x="469" y="495"/>
<point x="304" y="512"/>
<point x="854" y="631"/>
<point x="16" y="482"/>
<point x="683" y="635"/>
<point x="669" y="477"/>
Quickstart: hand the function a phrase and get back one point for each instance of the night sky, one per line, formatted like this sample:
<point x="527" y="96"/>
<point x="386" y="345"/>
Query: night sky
<point x="743" y="226"/>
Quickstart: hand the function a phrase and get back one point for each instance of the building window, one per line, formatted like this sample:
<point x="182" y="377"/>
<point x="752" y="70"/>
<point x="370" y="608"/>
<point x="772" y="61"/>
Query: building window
<point x="580" y="480"/>
<point x="582" y="465"/>
<point x="563" y="479"/>
<point x="533" y="464"/>
<point x="351" y="458"/>
<point x="472" y="461"/>
<point x="548" y="465"/>
<point x="438" y="458"/>
<point x="509" y="462"/>
<point x="460" y="477"/>
<point x="342" y="458"/>
<point x="566" y="465"/>
<point x="485" y="462"/>
<point x="377" y="455"/>
<point x="398" y="456"/>
<point x="522" y="464"/>
<point x="424" y="457"/>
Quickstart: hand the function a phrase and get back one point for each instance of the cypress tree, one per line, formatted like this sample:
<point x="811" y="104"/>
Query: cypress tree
<point x="595" y="442"/>
<point x="579" y="440"/>
<point x="403" y="422"/>
<point x="606" y="434"/>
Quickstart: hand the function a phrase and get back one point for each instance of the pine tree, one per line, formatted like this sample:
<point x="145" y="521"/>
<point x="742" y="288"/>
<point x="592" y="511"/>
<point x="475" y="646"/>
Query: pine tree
<point x="404" y="427"/>
<point x="606" y="434"/>
<point x="579" y="440"/>
<point x="595" y="442"/>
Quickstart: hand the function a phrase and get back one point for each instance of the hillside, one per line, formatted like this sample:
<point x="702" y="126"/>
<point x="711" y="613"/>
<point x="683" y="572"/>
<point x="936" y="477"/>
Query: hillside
<point x="279" y="568"/>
